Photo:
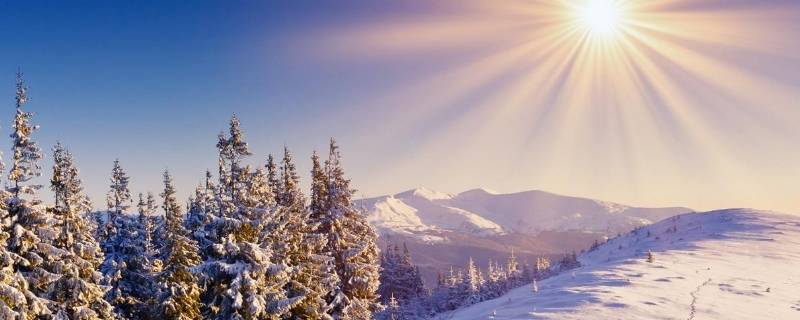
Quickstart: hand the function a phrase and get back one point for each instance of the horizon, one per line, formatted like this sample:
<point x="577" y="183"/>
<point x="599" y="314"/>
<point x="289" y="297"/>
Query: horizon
<point x="450" y="96"/>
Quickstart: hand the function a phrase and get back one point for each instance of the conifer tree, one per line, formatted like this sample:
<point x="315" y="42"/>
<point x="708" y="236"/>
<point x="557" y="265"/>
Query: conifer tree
<point x="202" y="210"/>
<point x="146" y="209"/>
<point x="232" y="149"/>
<point x="254" y="289"/>
<point x="77" y="293"/>
<point x="298" y="245"/>
<point x="351" y="241"/>
<point x="272" y="176"/>
<point x="470" y="285"/>
<point x="26" y="218"/>
<point x="17" y="301"/>
<point x="399" y="277"/>
<point x="118" y="200"/>
<point x="180" y="297"/>
<point x="318" y="206"/>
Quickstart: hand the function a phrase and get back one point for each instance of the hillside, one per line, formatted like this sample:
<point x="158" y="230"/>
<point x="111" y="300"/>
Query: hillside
<point x="727" y="264"/>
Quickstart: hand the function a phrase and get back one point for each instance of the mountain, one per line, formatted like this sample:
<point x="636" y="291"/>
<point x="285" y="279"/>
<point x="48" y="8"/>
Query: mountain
<point x="727" y="264"/>
<point x="444" y="230"/>
<point x="426" y="213"/>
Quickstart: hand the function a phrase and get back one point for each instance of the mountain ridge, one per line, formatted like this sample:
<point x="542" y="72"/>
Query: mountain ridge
<point x="423" y="212"/>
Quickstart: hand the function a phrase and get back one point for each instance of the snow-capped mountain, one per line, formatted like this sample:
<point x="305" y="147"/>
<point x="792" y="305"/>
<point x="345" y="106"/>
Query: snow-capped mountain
<point x="425" y="213"/>
<point x="727" y="264"/>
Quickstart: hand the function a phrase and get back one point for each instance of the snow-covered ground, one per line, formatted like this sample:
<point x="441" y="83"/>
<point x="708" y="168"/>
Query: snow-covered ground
<point x="727" y="264"/>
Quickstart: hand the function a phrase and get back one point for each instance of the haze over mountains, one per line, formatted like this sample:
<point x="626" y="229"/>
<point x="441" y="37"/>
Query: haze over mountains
<point x="444" y="230"/>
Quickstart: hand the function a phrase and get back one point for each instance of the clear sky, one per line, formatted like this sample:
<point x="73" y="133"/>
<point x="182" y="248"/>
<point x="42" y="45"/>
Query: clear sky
<point x="687" y="102"/>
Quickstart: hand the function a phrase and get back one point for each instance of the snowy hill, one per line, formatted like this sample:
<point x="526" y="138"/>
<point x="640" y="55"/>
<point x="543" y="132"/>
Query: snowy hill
<point x="727" y="264"/>
<point x="425" y="213"/>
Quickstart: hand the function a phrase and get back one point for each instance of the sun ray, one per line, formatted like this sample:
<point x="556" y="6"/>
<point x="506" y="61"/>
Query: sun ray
<point x="623" y="80"/>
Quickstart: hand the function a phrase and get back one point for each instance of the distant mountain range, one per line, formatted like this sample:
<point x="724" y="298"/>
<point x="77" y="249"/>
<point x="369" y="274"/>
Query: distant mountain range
<point x="444" y="230"/>
<point x="425" y="213"/>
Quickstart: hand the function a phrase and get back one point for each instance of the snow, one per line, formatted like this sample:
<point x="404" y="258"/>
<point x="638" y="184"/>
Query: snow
<point x="727" y="264"/>
<point x="424" y="213"/>
<point x="425" y="193"/>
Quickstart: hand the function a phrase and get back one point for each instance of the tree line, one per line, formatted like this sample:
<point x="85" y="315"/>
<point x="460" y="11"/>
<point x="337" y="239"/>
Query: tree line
<point x="405" y="298"/>
<point x="249" y="244"/>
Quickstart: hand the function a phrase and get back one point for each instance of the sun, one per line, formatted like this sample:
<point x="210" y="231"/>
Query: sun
<point x="603" y="18"/>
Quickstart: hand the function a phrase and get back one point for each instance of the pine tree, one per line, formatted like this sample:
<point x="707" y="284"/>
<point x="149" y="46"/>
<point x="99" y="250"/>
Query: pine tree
<point x="272" y="176"/>
<point x="232" y="149"/>
<point x="26" y="153"/>
<point x="389" y="273"/>
<point x="202" y="210"/>
<point x="180" y="297"/>
<point x="254" y="288"/>
<point x="512" y="271"/>
<point x="351" y="241"/>
<point x="399" y="277"/>
<point x="318" y="207"/>
<point x="297" y="244"/>
<point x="77" y="293"/>
<point x="26" y="221"/>
<point x="17" y="301"/>
<point x="470" y="285"/>
<point x="118" y="200"/>
<point x="146" y="209"/>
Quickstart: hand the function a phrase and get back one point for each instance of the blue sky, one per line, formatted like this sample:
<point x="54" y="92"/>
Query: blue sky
<point x="153" y="82"/>
<point x="450" y="95"/>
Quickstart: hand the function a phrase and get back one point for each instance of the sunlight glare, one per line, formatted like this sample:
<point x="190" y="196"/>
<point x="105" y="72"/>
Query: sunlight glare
<point x="601" y="17"/>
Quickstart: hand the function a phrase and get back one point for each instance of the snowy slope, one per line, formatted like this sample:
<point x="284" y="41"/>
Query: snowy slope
<point x="425" y="212"/>
<point x="728" y="264"/>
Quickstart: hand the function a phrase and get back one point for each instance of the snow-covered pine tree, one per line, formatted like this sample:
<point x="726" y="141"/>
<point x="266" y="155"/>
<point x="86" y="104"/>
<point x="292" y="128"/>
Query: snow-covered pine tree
<point x="147" y="223"/>
<point x="232" y="149"/>
<point x="470" y="285"/>
<point x="202" y="210"/>
<point x="241" y="281"/>
<point x="297" y="244"/>
<point x="411" y="276"/>
<point x="399" y="276"/>
<point x="389" y="273"/>
<point x="318" y="206"/>
<point x="180" y="296"/>
<point x="512" y="271"/>
<point x="272" y="176"/>
<point x="77" y="294"/>
<point x="118" y="200"/>
<point x="542" y="268"/>
<point x="402" y="280"/>
<point x="128" y="266"/>
<point x="30" y="233"/>
<point x="494" y="286"/>
<point x="17" y="300"/>
<point x="26" y="153"/>
<point x="351" y="240"/>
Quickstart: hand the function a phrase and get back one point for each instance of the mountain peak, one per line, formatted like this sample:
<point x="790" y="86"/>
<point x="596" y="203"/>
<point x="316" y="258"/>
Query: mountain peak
<point x="478" y="191"/>
<point x="425" y="193"/>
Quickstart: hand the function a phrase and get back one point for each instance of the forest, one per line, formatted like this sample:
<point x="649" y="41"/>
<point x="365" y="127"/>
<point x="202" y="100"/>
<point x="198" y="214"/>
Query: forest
<point x="248" y="244"/>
